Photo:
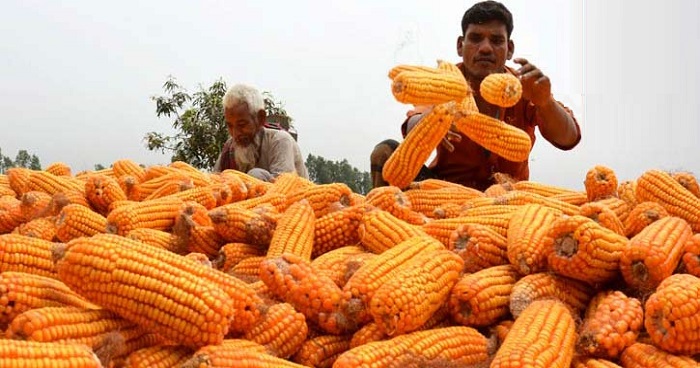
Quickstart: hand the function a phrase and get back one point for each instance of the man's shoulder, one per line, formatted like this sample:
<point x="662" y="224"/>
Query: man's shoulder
<point x="274" y="135"/>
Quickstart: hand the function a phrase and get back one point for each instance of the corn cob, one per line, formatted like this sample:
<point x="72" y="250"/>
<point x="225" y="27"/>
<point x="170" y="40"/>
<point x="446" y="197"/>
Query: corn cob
<point x="496" y="190"/>
<point x="200" y="258"/>
<point x="323" y="198"/>
<point x="448" y="210"/>
<point x="238" y="189"/>
<point x="483" y="297"/>
<point x="370" y="332"/>
<point x="154" y="185"/>
<point x="527" y="230"/>
<point x="612" y="323"/>
<point x="277" y="200"/>
<point x="489" y="210"/>
<point x="232" y="253"/>
<point x="42" y="228"/>
<point x="642" y="215"/>
<point x="380" y="230"/>
<point x="339" y="267"/>
<point x="502" y="139"/>
<point x="10" y="218"/>
<point x="501" y="89"/>
<point x="405" y="302"/>
<point x="431" y="184"/>
<point x="531" y="288"/>
<point x="574" y="198"/>
<point x="672" y="315"/>
<point x="393" y="200"/>
<point x="294" y="232"/>
<point x="500" y="331"/>
<point x="362" y="285"/>
<point x="6" y="190"/>
<point x="617" y="205"/>
<point x="479" y="246"/>
<point x="255" y="186"/>
<point x="157" y="238"/>
<point x="691" y="256"/>
<point x="34" y="204"/>
<point x="587" y="362"/>
<point x="688" y="181"/>
<point x="156" y="214"/>
<point x="603" y="215"/>
<point x="542" y="336"/>
<point x="76" y="221"/>
<point x="393" y="72"/>
<point x="209" y="196"/>
<point x="16" y="353"/>
<point x="600" y="183"/>
<point x="9" y="202"/>
<point x="516" y="197"/>
<point x="406" y="161"/>
<point x="425" y="201"/>
<point x="126" y="167"/>
<point x="18" y="179"/>
<point x="159" y="356"/>
<point x="236" y="355"/>
<point x="654" y="253"/>
<point x="292" y="279"/>
<point x="457" y="346"/>
<point x="659" y="186"/>
<point x="626" y="191"/>
<point x="442" y="229"/>
<point x="281" y="330"/>
<point x="130" y="187"/>
<point x="101" y="191"/>
<point x="22" y="253"/>
<point x="240" y="225"/>
<point x="113" y="271"/>
<point x="248" y="269"/>
<point x="289" y="183"/>
<point x="579" y="248"/>
<point x="51" y="184"/>
<point x="422" y="87"/>
<point x="337" y="229"/>
<point x="20" y="292"/>
<point x="641" y="355"/>
<point x="544" y="190"/>
<point x="170" y="187"/>
<point x="321" y="351"/>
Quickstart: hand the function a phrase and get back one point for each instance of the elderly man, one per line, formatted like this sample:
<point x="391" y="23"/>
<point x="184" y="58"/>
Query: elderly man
<point x="484" y="46"/>
<point x="261" y="152"/>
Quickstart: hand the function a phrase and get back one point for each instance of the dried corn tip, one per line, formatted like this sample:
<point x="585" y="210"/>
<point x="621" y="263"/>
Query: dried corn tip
<point x="600" y="183"/>
<point x="642" y="215"/>
<point x="501" y="89"/>
<point x="612" y="323"/>
<point x="688" y="181"/>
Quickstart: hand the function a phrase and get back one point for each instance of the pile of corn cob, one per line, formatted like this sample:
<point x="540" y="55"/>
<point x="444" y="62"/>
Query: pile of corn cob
<point x="167" y="266"/>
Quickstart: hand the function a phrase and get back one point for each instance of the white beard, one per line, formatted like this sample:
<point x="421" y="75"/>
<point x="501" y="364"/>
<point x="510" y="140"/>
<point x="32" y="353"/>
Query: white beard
<point x="246" y="157"/>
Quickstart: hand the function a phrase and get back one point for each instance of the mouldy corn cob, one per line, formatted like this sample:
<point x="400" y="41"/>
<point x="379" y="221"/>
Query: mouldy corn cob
<point x="393" y="200"/>
<point x="479" y="246"/>
<point x="406" y="161"/>
<point x="580" y="248"/>
<point x="603" y="215"/>
<point x="575" y="294"/>
<point x="339" y="267"/>
<point x="612" y="323"/>
<point x="672" y="315"/>
<point x="26" y="254"/>
<point x="142" y="284"/>
<point x="642" y="215"/>
<point x="406" y="302"/>
<point x="527" y="230"/>
<point x="507" y="141"/>
<point x="654" y="253"/>
<point x="321" y="351"/>
<point x="691" y="256"/>
<point x="420" y="87"/>
<point x="542" y="336"/>
<point x="240" y="225"/>
<point x="281" y="330"/>
<point x="16" y="353"/>
<point x="101" y="191"/>
<point x="379" y="231"/>
<point x="483" y="297"/>
<point x="642" y="355"/>
<point x="659" y="186"/>
<point x="41" y="228"/>
<point x="600" y="183"/>
<point x="294" y="232"/>
<point x="501" y="89"/>
<point x="230" y="254"/>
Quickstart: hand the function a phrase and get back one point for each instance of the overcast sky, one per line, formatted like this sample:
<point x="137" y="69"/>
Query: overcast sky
<point x="76" y="77"/>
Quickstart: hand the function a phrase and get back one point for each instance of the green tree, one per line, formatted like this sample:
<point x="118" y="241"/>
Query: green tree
<point x="323" y="171"/>
<point x="99" y="167"/>
<point x="198" y="120"/>
<point x="22" y="159"/>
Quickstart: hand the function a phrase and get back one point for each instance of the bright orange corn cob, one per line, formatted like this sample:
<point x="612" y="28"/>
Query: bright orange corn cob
<point x="290" y="182"/>
<point x="405" y="302"/>
<point x="688" y="181"/>
<point x="612" y="323"/>
<point x="479" y="246"/>
<point x="232" y="354"/>
<point x="575" y="294"/>
<point x="17" y="353"/>
<point x="337" y="229"/>
<point x="542" y="336"/>
<point x="428" y="87"/>
<point x="248" y="269"/>
<point x="642" y="215"/>
<point x="157" y="238"/>
<point x="527" y="230"/>
<point x="231" y="253"/>
<point x="600" y="183"/>
<point x="587" y="362"/>
<point x="580" y="248"/>
<point x="425" y="201"/>
<point x="323" y="198"/>
<point x="255" y="187"/>
<point x="379" y="230"/>
<point x="393" y="200"/>
<point x="52" y="184"/>
<point x="393" y="72"/>
<point x="159" y="356"/>
<point x="294" y="232"/>
<point x="626" y="191"/>
<point x="691" y="256"/>
<point x="340" y="264"/>
<point x="501" y="89"/>
<point x="156" y="214"/>
<point x="483" y="297"/>
<point x="321" y="351"/>
<point x="672" y="314"/>
<point x="129" y="185"/>
<point x="502" y="139"/>
<point x="20" y="292"/>
<point x="370" y="332"/>
<point x="406" y="161"/>
<point x="141" y="283"/>
<point x="442" y="229"/>
<point x="659" y="186"/>
<point x="101" y="191"/>
<point x="42" y="228"/>
<point x="292" y="279"/>
<point x="22" y="253"/>
<point x="574" y="198"/>
<point x="517" y="197"/>
<point x="281" y="330"/>
<point x="18" y="179"/>
<point x="168" y="188"/>
<point x="603" y="215"/>
<point x="431" y="184"/>
<point x="240" y="225"/>
<point x="128" y="167"/>
<point x="76" y="221"/>
<point x="641" y="355"/>
<point x="544" y="190"/>
<point x="34" y="204"/>
<point x="654" y="253"/>
<point x="617" y="205"/>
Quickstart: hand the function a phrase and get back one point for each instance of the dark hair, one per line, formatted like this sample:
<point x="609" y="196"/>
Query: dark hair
<point x="487" y="11"/>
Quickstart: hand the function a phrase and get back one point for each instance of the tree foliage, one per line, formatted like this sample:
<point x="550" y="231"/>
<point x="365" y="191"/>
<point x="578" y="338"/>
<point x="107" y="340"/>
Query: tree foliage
<point x="198" y="120"/>
<point x="323" y="171"/>
<point x="22" y="159"/>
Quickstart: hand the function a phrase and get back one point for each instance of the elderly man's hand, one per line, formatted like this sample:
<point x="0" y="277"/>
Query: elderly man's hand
<point x="536" y="86"/>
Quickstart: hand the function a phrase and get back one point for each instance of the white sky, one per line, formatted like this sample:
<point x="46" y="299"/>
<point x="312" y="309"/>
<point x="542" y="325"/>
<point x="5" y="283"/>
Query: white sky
<point x="76" y="76"/>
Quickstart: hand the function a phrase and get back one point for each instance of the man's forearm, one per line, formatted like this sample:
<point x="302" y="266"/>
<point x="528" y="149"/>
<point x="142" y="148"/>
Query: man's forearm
<point x="556" y="124"/>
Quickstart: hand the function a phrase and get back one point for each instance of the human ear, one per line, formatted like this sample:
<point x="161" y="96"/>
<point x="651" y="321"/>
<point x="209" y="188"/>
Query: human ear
<point x="511" y="49"/>
<point x="460" y="44"/>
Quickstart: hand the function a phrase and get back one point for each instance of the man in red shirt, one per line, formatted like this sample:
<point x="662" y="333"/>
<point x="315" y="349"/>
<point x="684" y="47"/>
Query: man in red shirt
<point x="484" y="46"/>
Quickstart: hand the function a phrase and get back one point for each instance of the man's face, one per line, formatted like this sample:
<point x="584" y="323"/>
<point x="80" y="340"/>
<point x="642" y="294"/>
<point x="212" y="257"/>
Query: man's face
<point x="241" y="124"/>
<point x="484" y="49"/>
